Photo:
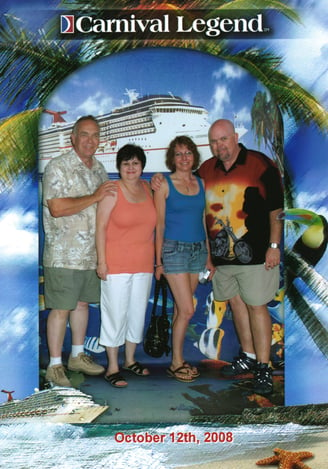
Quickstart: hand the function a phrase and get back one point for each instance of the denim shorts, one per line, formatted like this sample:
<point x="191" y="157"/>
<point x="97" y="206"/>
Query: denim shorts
<point x="180" y="257"/>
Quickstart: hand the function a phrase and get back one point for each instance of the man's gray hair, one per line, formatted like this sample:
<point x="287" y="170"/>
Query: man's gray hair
<point x="82" y="119"/>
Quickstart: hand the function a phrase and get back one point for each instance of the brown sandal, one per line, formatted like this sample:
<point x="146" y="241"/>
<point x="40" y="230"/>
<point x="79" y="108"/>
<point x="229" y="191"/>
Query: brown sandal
<point x="193" y="370"/>
<point x="183" y="374"/>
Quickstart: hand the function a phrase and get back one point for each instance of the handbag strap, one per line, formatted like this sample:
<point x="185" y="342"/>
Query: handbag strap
<point x="160" y="285"/>
<point x="164" y="295"/>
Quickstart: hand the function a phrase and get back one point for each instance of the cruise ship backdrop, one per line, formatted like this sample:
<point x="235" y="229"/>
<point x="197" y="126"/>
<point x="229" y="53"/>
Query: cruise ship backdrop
<point x="151" y="122"/>
<point x="58" y="404"/>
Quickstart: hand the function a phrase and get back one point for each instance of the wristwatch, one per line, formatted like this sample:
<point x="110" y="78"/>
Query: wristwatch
<point x="274" y="245"/>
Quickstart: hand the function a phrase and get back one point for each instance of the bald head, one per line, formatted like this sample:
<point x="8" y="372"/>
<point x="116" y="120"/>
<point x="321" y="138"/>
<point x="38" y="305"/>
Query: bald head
<point x="223" y="141"/>
<point x="222" y="125"/>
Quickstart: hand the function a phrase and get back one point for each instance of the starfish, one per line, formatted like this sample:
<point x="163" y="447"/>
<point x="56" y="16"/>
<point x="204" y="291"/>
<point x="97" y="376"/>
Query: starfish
<point x="287" y="459"/>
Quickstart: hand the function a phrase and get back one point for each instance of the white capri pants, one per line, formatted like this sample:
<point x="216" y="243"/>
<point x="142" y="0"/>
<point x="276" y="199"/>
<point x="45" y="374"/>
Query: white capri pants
<point x="123" y="303"/>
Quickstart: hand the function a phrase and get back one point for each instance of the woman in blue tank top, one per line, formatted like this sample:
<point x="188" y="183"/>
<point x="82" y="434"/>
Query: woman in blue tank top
<point x="181" y="242"/>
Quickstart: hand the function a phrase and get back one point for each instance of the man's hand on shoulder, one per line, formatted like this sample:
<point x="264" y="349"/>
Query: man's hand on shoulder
<point x="156" y="181"/>
<point x="106" y="188"/>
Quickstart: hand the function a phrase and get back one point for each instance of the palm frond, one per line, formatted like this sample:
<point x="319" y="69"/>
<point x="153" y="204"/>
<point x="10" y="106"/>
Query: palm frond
<point x="315" y="281"/>
<point x="31" y="66"/>
<point x="291" y="98"/>
<point x="18" y="145"/>
<point x="289" y="188"/>
<point x="262" y="5"/>
<point x="101" y="5"/>
<point x="304" y="311"/>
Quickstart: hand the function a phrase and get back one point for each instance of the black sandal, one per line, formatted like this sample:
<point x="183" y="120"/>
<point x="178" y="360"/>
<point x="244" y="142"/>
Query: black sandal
<point x="137" y="368"/>
<point x="115" y="378"/>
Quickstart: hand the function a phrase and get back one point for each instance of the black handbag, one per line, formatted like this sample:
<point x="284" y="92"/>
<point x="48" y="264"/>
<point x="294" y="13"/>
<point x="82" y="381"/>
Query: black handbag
<point x="157" y="336"/>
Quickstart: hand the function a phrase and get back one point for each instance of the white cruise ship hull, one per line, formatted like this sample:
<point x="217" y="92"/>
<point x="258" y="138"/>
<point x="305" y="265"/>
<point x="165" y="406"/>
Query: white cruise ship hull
<point x="150" y="122"/>
<point x="57" y="405"/>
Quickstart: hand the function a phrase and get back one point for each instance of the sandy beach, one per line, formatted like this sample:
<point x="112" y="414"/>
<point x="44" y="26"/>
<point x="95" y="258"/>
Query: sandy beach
<point x="316" y="443"/>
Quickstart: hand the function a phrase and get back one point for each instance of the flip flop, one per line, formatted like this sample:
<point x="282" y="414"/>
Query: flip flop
<point x="136" y="368"/>
<point x="193" y="370"/>
<point x="114" y="379"/>
<point x="183" y="374"/>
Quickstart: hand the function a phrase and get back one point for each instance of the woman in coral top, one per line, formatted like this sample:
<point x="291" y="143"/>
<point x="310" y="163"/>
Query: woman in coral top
<point x="125" y="249"/>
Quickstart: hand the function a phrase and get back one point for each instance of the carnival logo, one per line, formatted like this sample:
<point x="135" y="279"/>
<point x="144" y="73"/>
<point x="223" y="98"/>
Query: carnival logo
<point x="67" y="24"/>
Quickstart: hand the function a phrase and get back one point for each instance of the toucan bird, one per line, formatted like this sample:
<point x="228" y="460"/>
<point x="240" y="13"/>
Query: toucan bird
<point x="312" y="244"/>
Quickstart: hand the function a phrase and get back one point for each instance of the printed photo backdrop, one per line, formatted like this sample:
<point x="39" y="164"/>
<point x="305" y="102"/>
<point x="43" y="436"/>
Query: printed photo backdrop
<point x="114" y="84"/>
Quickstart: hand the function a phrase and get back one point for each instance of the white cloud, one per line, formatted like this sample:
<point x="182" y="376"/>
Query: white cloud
<point x="305" y="50"/>
<point x="317" y="202"/>
<point x="18" y="236"/>
<point x="97" y="104"/>
<point x="59" y="104"/>
<point x="16" y="325"/>
<point x="243" y="116"/>
<point x="187" y="97"/>
<point x="298" y="52"/>
<point x="229" y="71"/>
<point x="220" y="97"/>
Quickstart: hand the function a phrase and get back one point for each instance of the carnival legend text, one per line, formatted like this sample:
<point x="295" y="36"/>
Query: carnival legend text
<point x="166" y="24"/>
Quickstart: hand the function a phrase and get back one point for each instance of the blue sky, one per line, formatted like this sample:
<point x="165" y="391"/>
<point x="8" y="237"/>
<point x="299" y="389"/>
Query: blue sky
<point x="224" y="89"/>
<point x="19" y="288"/>
<point x="204" y="80"/>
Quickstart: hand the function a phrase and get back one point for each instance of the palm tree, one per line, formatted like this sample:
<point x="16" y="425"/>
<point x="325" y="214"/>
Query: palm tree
<point x="268" y="127"/>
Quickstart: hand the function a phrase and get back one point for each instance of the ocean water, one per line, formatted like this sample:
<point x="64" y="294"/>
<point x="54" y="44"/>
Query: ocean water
<point x="65" y="446"/>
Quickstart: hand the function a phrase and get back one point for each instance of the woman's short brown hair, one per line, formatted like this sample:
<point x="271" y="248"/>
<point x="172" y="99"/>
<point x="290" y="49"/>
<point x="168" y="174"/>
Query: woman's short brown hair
<point x="170" y="154"/>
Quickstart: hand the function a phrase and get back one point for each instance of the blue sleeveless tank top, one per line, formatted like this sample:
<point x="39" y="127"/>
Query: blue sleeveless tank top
<point x="184" y="215"/>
